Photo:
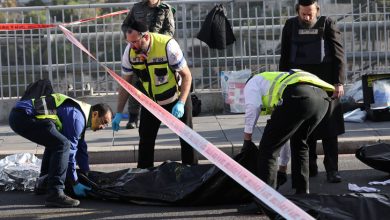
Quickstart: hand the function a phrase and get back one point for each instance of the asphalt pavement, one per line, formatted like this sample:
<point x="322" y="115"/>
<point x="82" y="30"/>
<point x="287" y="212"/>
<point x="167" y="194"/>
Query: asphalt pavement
<point x="26" y="205"/>
<point x="224" y="131"/>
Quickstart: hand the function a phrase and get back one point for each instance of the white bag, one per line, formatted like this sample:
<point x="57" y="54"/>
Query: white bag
<point x="356" y="115"/>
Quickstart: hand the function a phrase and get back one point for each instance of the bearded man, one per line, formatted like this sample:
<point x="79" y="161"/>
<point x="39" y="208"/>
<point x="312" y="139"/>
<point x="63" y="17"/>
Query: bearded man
<point x="162" y="69"/>
<point x="313" y="43"/>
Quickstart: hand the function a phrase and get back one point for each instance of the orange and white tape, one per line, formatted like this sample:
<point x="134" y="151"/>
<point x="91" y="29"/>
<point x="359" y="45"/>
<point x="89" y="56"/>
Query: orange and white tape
<point x="258" y="188"/>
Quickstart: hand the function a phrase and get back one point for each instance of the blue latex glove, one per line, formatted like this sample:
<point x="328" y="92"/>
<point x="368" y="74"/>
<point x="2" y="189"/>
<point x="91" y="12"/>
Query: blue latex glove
<point x="178" y="109"/>
<point x="115" y="122"/>
<point x="80" y="190"/>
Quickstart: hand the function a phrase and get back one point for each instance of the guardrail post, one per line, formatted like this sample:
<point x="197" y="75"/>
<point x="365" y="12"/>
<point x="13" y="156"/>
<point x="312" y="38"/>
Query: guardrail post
<point x="48" y="39"/>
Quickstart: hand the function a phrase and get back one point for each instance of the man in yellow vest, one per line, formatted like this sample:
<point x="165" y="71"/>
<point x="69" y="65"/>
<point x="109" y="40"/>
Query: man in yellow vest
<point x="58" y="123"/>
<point x="298" y="101"/>
<point x="159" y="63"/>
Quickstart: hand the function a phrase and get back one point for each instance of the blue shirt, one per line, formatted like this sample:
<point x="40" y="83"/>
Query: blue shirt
<point x="73" y="124"/>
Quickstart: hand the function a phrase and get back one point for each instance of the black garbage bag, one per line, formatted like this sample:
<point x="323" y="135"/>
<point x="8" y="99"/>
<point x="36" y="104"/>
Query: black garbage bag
<point x="376" y="156"/>
<point x="353" y="206"/>
<point x="172" y="183"/>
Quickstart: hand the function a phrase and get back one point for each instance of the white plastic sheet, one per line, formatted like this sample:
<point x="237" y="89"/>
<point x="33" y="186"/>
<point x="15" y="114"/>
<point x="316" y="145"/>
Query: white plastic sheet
<point x="19" y="172"/>
<point x="356" y="115"/>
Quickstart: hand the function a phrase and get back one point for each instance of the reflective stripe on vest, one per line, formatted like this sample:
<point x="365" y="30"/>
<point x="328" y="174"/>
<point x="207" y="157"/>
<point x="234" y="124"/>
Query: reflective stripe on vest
<point x="280" y="80"/>
<point x="158" y="79"/>
<point x="46" y="107"/>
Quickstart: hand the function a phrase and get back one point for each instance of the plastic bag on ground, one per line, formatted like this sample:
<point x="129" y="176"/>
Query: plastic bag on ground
<point x="19" y="172"/>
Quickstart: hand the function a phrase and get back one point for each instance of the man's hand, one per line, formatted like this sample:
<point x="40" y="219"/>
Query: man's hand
<point x="178" y="109"/>
<point x="81" y="190"/>
<point x="338" y="92"/>
<point x="115" y="122"/>
<point x="247" y="145"/>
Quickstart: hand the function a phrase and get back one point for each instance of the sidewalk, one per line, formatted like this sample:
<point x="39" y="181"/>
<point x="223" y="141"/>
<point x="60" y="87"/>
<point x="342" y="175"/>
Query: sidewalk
<point x="224" y="131"/>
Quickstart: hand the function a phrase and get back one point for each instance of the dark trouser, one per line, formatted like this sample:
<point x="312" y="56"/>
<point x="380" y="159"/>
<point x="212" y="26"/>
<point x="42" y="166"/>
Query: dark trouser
<point x="148" y="129"/>
<point x="331" y="153"/>
<point x="302" y="109"/>
<point x="44" y="132"/>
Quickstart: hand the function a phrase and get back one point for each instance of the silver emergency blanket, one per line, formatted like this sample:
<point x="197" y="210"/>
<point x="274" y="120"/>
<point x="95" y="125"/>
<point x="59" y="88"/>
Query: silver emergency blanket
<point x="19" y="172"/>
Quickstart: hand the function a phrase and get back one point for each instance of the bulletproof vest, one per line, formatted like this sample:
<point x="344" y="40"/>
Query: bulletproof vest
<point x="307" y="44"/>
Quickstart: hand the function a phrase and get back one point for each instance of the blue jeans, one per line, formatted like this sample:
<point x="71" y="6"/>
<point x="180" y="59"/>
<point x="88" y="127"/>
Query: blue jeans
<point x="44" y="132"/>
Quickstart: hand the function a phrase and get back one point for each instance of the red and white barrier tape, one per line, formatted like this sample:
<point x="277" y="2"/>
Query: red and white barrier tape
<point x="18" y="26"/>
<point x="258" y="188"/>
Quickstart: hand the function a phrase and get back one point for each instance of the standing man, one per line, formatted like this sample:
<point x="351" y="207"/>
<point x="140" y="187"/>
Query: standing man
<point x="58" y="123"/>
<point x="312" y="43"/>
<point x="159" y="63"/>
<point x="159" y="17"/>
<point x="298" y="102"/>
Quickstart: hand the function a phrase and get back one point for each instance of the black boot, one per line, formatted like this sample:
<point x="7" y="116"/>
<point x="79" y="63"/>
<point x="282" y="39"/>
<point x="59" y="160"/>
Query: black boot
<point x="133" y="121"/>
<point x="333" y="177"/>
<point x="281" y="179"/>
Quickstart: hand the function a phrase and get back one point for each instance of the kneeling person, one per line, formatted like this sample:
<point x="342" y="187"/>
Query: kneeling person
<point x="58" y="123"/>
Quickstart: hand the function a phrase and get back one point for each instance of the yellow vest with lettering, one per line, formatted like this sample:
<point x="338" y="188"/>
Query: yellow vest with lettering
<point x="158" y="79"/>
<point x="46" y="107"/>
<point x="280" y="80"/>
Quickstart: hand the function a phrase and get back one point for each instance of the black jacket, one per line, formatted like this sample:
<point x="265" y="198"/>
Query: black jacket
<point x="216" y="31"/>
<point x="331" y="71"/>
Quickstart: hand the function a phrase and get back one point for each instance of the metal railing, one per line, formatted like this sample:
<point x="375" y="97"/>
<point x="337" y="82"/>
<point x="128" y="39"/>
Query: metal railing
<point x="28" y="55"/>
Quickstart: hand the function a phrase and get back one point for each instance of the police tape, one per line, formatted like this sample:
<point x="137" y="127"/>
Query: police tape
<point x="258" y="188"/>
<point x="94" y="18"/>
<point x="19" y="26"/>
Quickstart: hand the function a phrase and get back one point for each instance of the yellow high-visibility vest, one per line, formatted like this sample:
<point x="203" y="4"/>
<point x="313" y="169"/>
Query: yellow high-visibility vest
<point x="158" y="79"/>
<point x="280" y="80"/>
<point x="46" y="107"/>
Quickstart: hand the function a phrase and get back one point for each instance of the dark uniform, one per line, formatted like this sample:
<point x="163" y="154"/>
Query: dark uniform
<point x="318" y="50"/>
<point x="160" y="19"/>
<point x="298" y="102"/>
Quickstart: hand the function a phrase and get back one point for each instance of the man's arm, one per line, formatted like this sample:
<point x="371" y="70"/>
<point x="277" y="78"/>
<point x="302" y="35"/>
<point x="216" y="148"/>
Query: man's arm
<point x="185" y="87"/>
<point x="127" y="72"/>
<point x="169" y="22"/>
<point x="252" y="95"/>
<point x="123" y="95"/>
<point x="285" y="45"/>
<point x="178" y="63"/>
<point x="73" y="124"/>
<point x="82" y="157"/>
<point x="333" y="36"/>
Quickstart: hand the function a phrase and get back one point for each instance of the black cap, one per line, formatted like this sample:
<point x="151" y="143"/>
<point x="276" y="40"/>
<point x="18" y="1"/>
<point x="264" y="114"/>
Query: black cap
<point x="306" y="2"/>
<point x="133" y="24"/>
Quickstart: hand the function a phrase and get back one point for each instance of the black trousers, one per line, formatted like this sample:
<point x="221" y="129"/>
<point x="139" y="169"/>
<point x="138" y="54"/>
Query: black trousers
<point x="330" y="127"/>
<point x="303" y="106"/>
<point x="148" y="129"/>
<point x="44" y="132"/>
<point x="331" y="152"/>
